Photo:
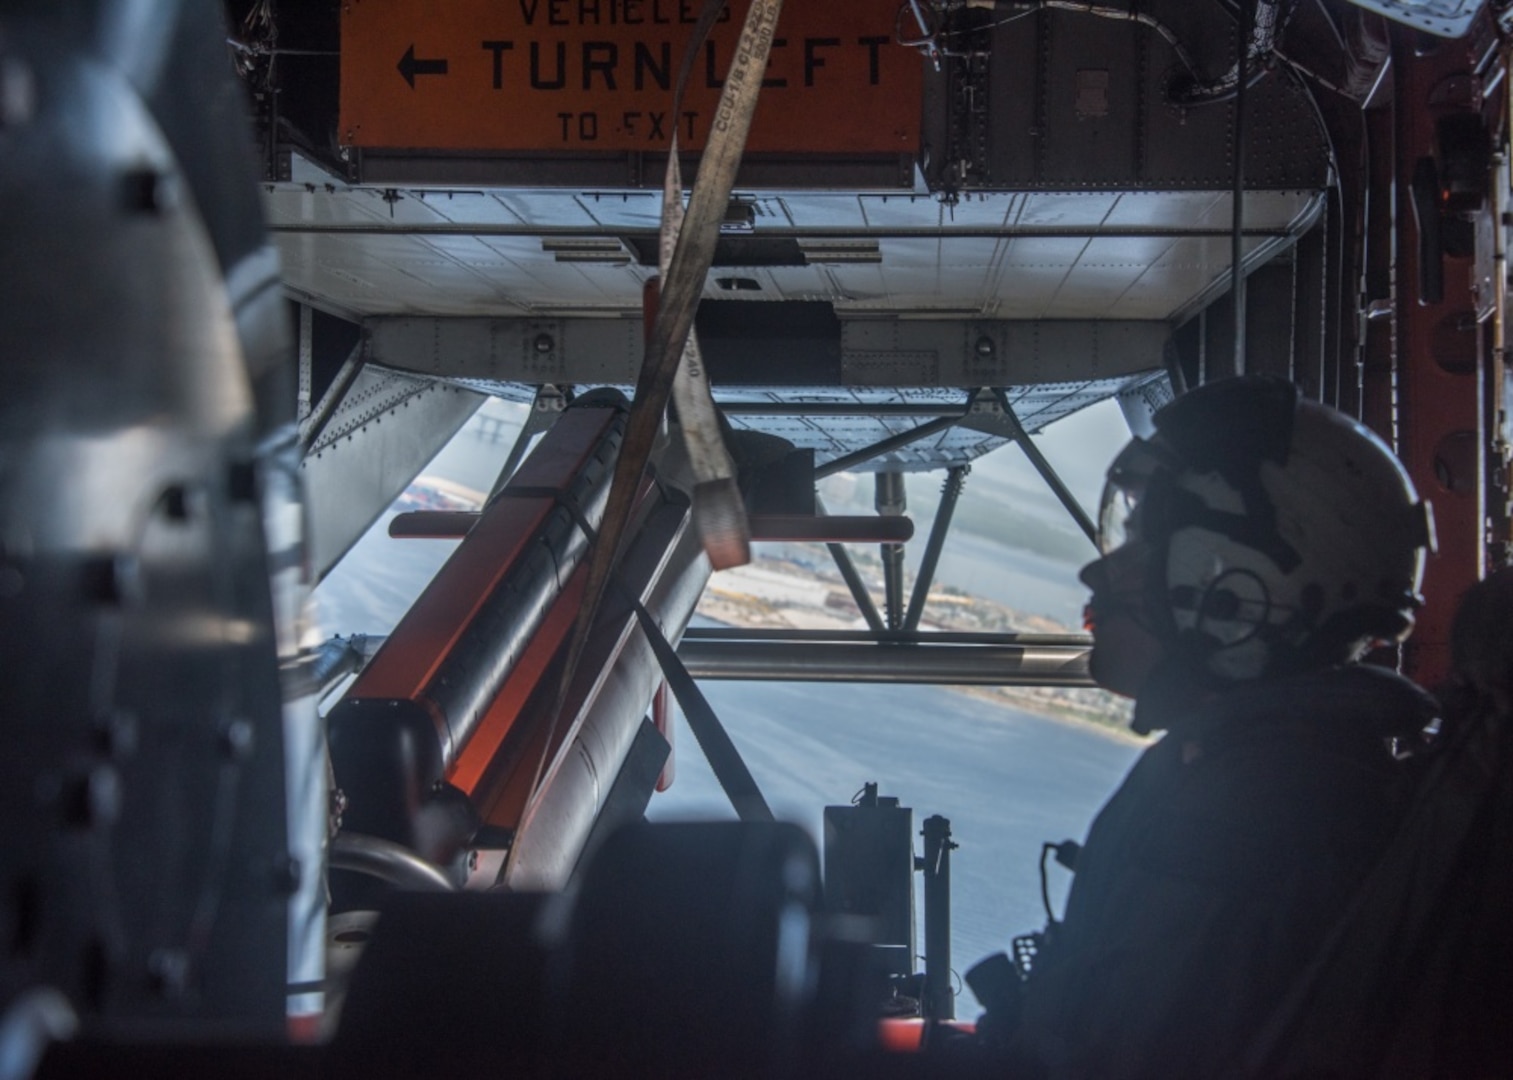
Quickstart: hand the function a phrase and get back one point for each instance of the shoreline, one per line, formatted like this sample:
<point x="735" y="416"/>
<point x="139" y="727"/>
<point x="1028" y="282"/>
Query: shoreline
<point x="781" y="593"/>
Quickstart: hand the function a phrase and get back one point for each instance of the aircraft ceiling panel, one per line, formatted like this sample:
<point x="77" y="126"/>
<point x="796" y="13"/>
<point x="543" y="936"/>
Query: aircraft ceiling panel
<point x="1263" y="210"/>
<point x="1208" y="251"/>
<point x="1150" y="291"/>
<point x="392" y="206"/>
<point x="980" y="209"/>
<point x="1044" y="251"/>
<point x="792" y="283"/>
<point x="900" y="211"/>
<point x="1028" y="292"/>
<point x="1066" y="209"/>
<point x="814" y="210"/>
<point x="500" y="252"/>
<point x="588" y="287"/>
<point x="623" y="210"/>
<point x="468" y="207"/>
<point x="1189" y="268"/>
<point x="1095" y="287"/>
<point x="1137" y="209"/>
<point x="551" y="209"/>
<point x="307" y="204"/>
<point x="969" y="251"/>
<point x="475" y="251"/>
<point x="865" y="285"/>
<point x="988" y="210"/>
<point x="1126" y="250"/>
<point x="392" y="274"/>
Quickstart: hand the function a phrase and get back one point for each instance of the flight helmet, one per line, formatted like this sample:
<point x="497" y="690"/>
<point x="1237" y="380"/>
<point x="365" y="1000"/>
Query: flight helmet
<point x="1274" y="534"/>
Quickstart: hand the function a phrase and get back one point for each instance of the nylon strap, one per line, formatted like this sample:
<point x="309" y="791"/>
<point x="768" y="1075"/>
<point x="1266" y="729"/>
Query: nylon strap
<point x="720" y="751"/>
<point x="730" y="770"/>
<point x="687" y="270"/>
<point x="718" y="512"/>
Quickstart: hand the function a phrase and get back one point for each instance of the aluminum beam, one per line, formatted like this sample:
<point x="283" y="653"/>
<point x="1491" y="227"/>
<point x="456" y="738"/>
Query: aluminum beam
<point x="917" y="661"/>
<point x="965" y="353"/>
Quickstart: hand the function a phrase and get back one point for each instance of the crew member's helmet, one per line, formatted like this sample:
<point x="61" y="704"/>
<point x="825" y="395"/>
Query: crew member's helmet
<point x="1274" y="534"/>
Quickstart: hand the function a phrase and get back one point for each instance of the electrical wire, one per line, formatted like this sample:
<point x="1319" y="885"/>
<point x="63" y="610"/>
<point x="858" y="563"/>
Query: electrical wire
<point x="1084" y="7"/>
<point x="1309" y="73"/>
<point x="1045" y="887"/>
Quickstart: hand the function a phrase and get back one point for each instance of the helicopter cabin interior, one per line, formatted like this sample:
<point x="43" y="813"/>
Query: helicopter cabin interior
<point x="264" y="259"/>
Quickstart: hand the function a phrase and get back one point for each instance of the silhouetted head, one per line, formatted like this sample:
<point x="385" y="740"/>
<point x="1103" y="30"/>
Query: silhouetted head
<point x="1255" y="534"/>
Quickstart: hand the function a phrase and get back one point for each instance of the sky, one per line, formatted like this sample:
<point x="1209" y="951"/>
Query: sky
<point x="1079" y="448"/>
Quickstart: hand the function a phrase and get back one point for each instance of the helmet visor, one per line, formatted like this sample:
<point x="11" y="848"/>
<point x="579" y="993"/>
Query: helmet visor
<point x="1129" y="479"/>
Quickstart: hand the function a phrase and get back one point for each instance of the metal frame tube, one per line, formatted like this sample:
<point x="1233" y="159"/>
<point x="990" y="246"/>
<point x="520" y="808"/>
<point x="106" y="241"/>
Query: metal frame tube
<point x="885" y="446"/>
<point x="857" y="586"/>
<point x="956" y="477"/>
<point x="829" y="408"/>
<point x="891" y="500"/>
<point x="1237" y="225"/>
<point x="887" y="662"/>
<point x="884" y="637"/>
<point x="852" y="578"/>
<point x="1043" y="467"/>
<point x="311" y="426"/>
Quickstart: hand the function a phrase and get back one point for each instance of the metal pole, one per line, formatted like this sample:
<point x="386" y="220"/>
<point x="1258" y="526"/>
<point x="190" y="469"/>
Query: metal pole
<point x="886" y="637"/>
<point x="853" y="579"/>
<point x="1237" y="225"/>
<point x="858" y="587"/>
<point x="306" y="363"/>
<point x="891" y="499"/>
<point x="311" y="426"/>
<point x="944" y="665"/>
<point x="956" y="477"/>
<point x="826" y="408"/>
<point x="886" y="446"/>
<point x="939" y="999"/>
<point x="1043" y="467"/>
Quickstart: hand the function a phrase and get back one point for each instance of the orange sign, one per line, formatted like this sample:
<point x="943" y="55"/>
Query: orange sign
<point x="585" y="75"/>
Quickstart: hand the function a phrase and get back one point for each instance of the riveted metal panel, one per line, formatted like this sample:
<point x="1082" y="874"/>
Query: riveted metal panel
<point x="383" y="433"/>
<point x="1092" y="102"/>
<point x="1080" y="100"/>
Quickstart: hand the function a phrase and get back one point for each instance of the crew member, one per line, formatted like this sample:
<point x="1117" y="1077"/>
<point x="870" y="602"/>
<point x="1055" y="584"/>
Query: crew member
<point x="1253" y="548"/>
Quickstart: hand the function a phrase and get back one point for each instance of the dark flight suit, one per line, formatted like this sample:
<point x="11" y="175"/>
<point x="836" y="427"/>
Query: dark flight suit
<point x="1212" y="875"/>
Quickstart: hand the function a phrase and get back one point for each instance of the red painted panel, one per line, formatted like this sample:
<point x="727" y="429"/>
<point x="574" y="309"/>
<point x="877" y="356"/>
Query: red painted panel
<point x="1439" y="412"/>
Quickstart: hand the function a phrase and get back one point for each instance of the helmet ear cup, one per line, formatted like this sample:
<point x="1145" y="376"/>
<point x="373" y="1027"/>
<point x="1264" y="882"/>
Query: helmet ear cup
<point x="1234" y="607"/>
<point x="1222" y="621"/>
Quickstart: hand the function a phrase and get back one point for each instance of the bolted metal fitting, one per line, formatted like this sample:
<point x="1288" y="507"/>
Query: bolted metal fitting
<point x="237" y="738"/>
<point x="148" y="191"/>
